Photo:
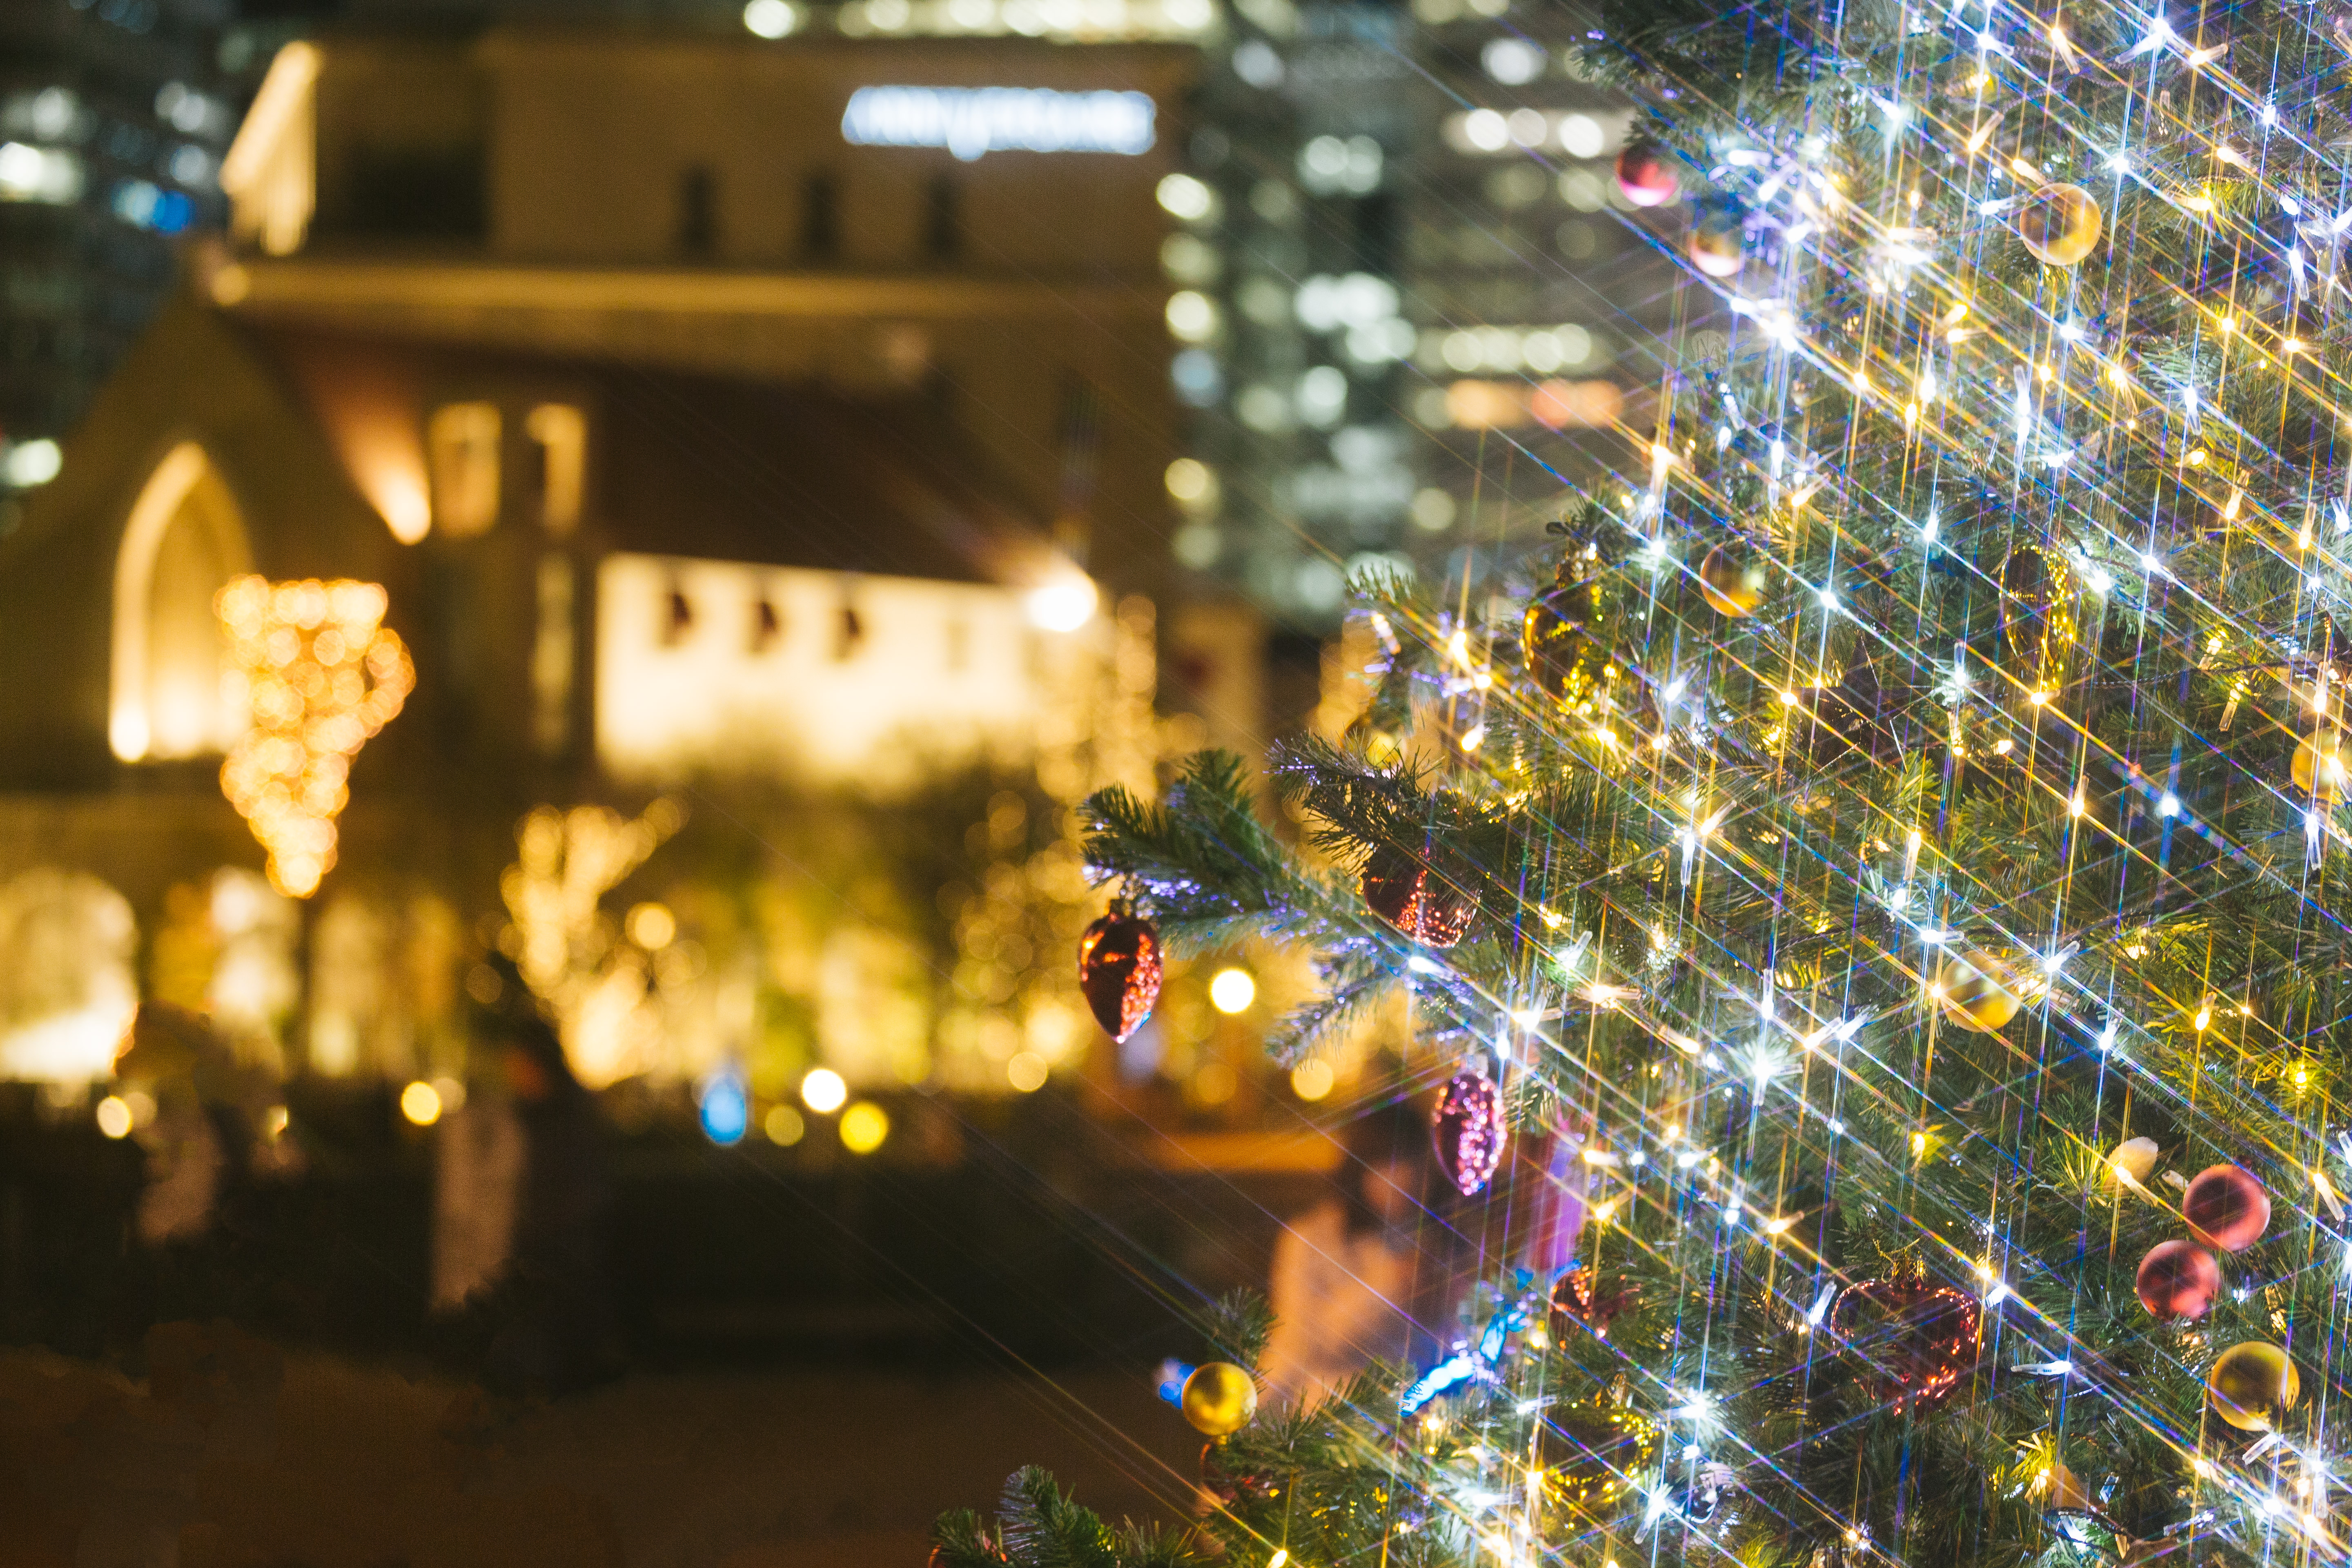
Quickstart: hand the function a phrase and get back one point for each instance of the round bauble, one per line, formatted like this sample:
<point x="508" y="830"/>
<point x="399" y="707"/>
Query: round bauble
<point x="2253" y="1384"/>
<point x="2059" y="224"/>
<point x="2134" y="1158"/>
<point x="1915" y="1340"/>
<point x="1731" y="583"/>
<point x="1219" y="1398"/>
<point x="1467" y="1130"/>
<point x="1579" y="1301"/>
<point x="1408" y="896"/>
<point x="1564" y="657"/>
<point x="1119" y="968"/>
<point x="1592" y="1450"/>
<point x="1978" y="993"/>
<point x="2177" y="1279"/>
<point x="2319" y="767"/>
<point x="1645" y="176"/>
<point x="1716" y="246"/>
<point x="2226" y="1207"/>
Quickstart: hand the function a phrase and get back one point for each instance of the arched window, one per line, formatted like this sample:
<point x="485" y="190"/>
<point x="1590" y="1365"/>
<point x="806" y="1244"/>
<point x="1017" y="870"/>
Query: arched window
<point x="184" y="539"/>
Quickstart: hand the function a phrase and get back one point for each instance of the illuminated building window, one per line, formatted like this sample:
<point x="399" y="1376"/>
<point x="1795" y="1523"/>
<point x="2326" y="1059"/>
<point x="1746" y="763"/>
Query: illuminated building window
<point x="561" y="433"/>
<point x="169" y="695"/>
<point x="697" y="213"/>
<point x="821" y="216"/>
<point x="462" y="445"/>
<point x="849" y="630"/>
<point x="551" y="656"/>
<point x="942" y="217"/>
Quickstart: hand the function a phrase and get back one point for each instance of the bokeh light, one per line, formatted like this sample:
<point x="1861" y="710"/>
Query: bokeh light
<point x="1026" y="1071"/>
<point x="652" y="926"/>
<point x="114" y="1117"/>
<point x="421" y="1103"/>
<point x="1233" y="990"/>
<point x="784" y="1126"/>
<point x="863" y="1126"/>
<point x="824" y="1091"/>
<point x="1312" y="1078"/>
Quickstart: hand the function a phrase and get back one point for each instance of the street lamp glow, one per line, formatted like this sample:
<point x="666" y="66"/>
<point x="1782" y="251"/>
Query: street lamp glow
<point x="421" y="1103"/>
<point x="824" y="1091"/>
<point x="1233" y="990"/>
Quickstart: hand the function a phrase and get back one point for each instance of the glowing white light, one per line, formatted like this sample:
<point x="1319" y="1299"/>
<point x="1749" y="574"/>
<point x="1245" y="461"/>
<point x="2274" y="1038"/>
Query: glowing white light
<point x="30" y="463"/>
<point x="969" y="122"/>
<point x="1064" y="605"/>
<point x="1181" y="195"/>
<point x="823" y="1090"/>
<point x="769" y="18"/>
<point x="1232" y="990"/>
<point x="2169" y="806"/>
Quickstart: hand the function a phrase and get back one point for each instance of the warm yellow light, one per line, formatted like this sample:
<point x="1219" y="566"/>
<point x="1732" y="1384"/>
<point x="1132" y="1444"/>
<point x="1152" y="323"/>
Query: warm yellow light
<point x="1233" y="990"/>
<point x="1779" y="1224"/>
<point x="863" y="1126"/>
<point x="652" y="926"/>
<point x="322" y="674"/>
<point x="1918" y="1146"/>
<point x="1063" y="603"/>
<point x="421" y="1103"/>
<point x="824" y="1091"/>
<point x="1026" y="1071"/>
<point x="2039" y="699"/>
<point x="1281" y="1555"/>
<point x="114" y="1117"/>
<point x="783" y="1125"/>
<point x="1312" y="1078"/>
<point x="2204" y="1018"/>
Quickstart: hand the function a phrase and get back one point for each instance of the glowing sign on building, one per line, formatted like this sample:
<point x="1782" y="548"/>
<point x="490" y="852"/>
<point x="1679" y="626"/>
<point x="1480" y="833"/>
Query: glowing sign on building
<point x="970" y="121"/>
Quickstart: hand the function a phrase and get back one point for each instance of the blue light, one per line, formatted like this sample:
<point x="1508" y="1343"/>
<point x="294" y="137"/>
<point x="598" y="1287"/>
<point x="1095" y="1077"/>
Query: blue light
<point x="1170" y="1376"/>
<point x="726" y="1108"/>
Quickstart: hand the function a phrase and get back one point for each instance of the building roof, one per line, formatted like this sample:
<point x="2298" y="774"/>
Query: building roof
<point x="706" y="466"/>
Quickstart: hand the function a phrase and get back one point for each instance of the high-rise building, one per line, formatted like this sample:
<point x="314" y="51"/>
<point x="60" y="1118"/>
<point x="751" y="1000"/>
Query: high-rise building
<point x="1403" y="305"/>
<point x="113" y="118"/>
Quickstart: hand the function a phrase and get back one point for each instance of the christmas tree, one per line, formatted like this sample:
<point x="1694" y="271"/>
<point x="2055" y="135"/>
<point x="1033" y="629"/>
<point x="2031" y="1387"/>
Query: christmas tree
<point x="1895" y="839"/>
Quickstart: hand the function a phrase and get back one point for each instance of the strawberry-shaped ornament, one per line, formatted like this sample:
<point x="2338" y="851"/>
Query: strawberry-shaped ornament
<point x="1417" y="901"/>
<point x="1119" y="966"/>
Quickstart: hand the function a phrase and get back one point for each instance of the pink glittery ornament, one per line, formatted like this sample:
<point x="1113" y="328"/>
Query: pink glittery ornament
<point x="1468" y="1131"/>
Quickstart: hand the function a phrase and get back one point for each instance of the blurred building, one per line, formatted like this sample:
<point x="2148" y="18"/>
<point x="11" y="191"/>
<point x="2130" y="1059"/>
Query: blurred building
<point x="782" y="423"/>
<point x="1407" y="310"/>
<point x="113" y="119"/>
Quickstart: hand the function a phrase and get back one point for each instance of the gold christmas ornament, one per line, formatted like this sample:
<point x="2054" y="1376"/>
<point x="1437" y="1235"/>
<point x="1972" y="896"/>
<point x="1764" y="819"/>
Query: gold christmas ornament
<point x="1592" y="1450"/>
<point x="2252" y="1385"/>
<point x="1731" y="583"/>
<point x="322" y="674"/>
<point x="2037" y="615"/>
<point x="1219" y="1398"/>
<point x="2060" y="224"/>
<point x="1978" y="991"/>
<point x="2319" y="767"/>
<point x="1561" y="654"/>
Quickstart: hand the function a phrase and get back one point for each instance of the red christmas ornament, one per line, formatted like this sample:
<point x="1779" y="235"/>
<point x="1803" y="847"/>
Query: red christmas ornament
<point x="1917" y="1340"/>
<point x="1468" y="1131"/>
<point x="1405" y="893"/>
<point x="1576" y="1300"/>
<point x="1644" y="177"/>
<point x="2226" y="1207"/>
<point x="2177" y="1279"/>
<point x="1119" y="966"/>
